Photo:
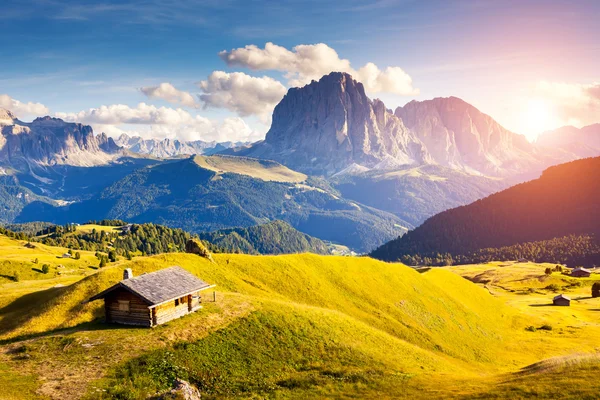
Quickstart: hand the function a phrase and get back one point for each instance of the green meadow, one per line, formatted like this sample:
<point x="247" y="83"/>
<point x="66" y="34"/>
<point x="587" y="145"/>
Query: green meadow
<point x="302" y="326"/>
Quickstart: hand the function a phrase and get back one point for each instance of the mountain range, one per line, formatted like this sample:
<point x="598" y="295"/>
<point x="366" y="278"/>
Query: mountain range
<point x="334" y="164"/>
<point x="164" y="148"/>
<point x="331" y="127"/>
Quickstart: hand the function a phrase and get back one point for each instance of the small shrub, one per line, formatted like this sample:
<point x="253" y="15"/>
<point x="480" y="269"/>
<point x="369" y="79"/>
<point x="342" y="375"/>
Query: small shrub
<point x="548" y="271"/>
<point x="45" y="268"/>
<point x="545" y="327"/>
<point x="596" y="289"/>
<point x="554" y="287"/>
<point x="16" y="277"/>
<point x="531" y="328"/>
<point x="558" y="268"/>
<point x="36" y="261"/>
<point x="77" y="255"/>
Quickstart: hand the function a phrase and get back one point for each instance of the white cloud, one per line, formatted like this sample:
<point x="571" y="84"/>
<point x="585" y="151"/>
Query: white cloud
<point x="149" y="121"/>
<point x="307" y="62"/>
<point x="22" y="109"/>
<point x="241" y="93"/>
<point x="169" y="93"/>
<point x="571" y="104"/>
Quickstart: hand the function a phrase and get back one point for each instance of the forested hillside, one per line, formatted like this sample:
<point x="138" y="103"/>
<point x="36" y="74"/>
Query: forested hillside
<point x="183" y="194"/>
<point x="563" y="201"/>
<point x="277" y="237"/>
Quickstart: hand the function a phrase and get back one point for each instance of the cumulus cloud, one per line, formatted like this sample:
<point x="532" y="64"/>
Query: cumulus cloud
<point x="149" y="121"/>
<point x="307" y="62"/>
<point x="241" y="93"/>
<point x="22" y="109"/>
<point x="572" y="104"/>
<point x="168" y="92"/>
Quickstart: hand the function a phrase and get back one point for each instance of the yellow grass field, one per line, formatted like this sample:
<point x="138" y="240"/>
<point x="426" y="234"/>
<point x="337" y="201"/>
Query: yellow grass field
<point x="308" y="326"/>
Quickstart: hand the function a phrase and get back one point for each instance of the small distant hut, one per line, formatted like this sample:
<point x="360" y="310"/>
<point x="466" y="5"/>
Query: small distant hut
<point x="66" y="255"/>
<point x="561" y="300"/>
<point x="581" y="273"/>
<point x="152" y="299"/>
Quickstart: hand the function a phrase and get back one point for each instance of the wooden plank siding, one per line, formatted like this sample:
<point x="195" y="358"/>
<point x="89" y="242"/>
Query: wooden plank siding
<point x="175" y="308"/>
<point x="138" y="313"/>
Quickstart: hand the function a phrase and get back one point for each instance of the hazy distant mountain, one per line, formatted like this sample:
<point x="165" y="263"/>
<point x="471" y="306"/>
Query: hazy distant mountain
<point x="459" y="136"/>
<point x="563" y="201"/>
<point x="164" y="148"/>
<point x="583" y="142"/>
<point x="50" y="141"/>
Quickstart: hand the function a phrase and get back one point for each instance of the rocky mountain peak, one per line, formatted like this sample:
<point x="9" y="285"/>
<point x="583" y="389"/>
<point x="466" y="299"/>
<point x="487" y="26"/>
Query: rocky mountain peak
<point x="460" y="136"/>
<point x="6" y="117"/>
<point x="330" y="124"/>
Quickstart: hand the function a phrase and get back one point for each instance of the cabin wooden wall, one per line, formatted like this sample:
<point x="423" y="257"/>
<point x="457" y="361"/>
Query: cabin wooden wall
<point x="138" y="313"/>
<point x="168" y="311"/>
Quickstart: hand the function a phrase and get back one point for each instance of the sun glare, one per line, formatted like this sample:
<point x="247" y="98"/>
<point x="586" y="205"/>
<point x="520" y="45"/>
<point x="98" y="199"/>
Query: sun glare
<point x="537" y="118"/>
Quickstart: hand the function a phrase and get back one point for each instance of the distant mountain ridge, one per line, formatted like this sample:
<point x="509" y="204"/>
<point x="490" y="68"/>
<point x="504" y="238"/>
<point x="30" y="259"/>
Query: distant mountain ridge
<point x="586" y="139"/>
<point x="563" y="201"/>
<point x="164" y="148"/>
<point x="50" y="141"/>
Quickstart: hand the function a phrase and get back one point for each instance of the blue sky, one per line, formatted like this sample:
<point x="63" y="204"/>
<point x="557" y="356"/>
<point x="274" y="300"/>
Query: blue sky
<point x="526" y="63"/>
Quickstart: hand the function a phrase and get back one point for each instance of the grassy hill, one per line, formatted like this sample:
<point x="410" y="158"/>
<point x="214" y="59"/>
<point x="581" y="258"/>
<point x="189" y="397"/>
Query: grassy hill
<point x="260" y="169"/>
<point x="562" y="202"/>
<point x="183" y="194"/>
<point x="310" y="326"/>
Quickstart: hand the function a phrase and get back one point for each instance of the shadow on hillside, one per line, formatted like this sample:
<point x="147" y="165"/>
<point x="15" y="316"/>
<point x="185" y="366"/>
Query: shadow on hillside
<point x="26" y="307"/>
<point x="542" y="305"/>
<point x="96" y="325"/>
<point x="9" y="277"/>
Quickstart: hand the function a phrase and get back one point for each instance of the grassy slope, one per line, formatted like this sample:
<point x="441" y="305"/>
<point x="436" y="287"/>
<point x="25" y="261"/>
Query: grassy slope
<point x="300" y="326"/>
<point x="261" y="169"/>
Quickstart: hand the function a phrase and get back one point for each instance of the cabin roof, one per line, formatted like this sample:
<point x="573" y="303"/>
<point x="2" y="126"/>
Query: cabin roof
<point x="561" y="296"/>
<point x="581" y="269"/>
<point x="160" y="286"/>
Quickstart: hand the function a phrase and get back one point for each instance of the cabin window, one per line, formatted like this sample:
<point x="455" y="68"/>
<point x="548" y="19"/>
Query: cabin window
<point x="176" y="302"/>
<point x="124" y="305"/>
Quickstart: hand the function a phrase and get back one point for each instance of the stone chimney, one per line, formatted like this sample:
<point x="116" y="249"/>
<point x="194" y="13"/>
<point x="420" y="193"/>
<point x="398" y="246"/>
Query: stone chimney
<point x="127" y="273"/>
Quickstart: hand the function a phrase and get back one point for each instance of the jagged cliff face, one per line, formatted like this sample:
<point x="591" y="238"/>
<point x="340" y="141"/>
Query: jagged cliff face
<point x="171" y="147"/>
<point x="459" y="136"/>
<point x="51" y="141"/>
<point x="329" y="125"/>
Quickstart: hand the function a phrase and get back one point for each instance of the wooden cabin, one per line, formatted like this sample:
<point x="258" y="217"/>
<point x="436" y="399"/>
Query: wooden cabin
<point x="561" y="300"/>
<point x="152" y="299"/>
<point x="581" y="273"/>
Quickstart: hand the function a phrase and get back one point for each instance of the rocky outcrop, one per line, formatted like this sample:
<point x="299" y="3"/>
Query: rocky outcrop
<point x="459" y="136"/>
<point x="195" y="246"/>
<point x="326" y="126"/>
<point x="51" y="141"/>
<point x="182" y="390"/>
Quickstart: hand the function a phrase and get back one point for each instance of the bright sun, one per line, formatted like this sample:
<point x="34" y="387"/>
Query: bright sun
<point x="537" y="118"/>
